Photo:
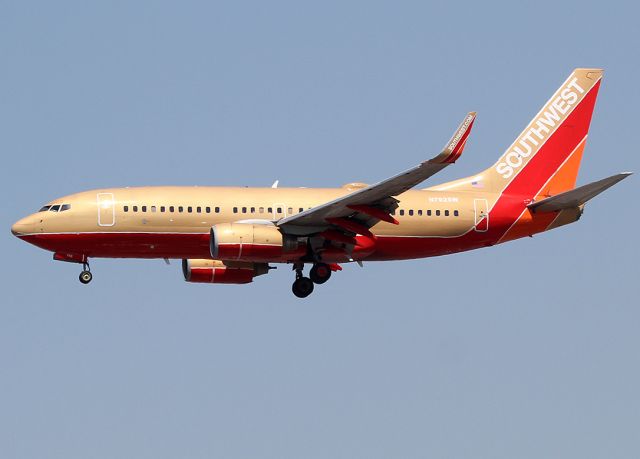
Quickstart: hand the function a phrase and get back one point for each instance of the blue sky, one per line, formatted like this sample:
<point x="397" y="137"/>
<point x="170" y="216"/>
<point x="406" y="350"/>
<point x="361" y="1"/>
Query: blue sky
<point x="526" y="350"/>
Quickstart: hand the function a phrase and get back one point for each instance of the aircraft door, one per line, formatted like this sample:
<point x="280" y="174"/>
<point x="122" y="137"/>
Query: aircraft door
<point x="481" y="211"/>
<point x="106" y="209"/>
<point x="279" y="211"/>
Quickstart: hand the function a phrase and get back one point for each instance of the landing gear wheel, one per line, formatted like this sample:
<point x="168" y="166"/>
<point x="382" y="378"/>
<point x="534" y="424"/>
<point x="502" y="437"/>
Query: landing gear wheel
<point x="302" y="287"/>
<point x="85" y="277"/>
<point x="320" y="273"/>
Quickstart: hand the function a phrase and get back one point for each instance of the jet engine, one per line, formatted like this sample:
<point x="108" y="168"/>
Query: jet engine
<point x="256" y="243"/>
<point x="218" y="272"/>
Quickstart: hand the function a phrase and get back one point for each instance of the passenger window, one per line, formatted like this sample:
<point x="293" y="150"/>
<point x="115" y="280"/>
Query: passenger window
<point x="279" y="210"/>
<point x="217" y="210"/>
<point x="301" y="209"/>
<point x="420" y="212"/>
<point x="437" y="213"/>
<point x="411" y="212"/>
<point x="244" y="210"/>
<point x="235" y="210"/>
<point x="199" y="209"/>
<point x="135" y="208"/>
<point x="290" y="210"/>
<point x="189" y="209"/>
<point x="428" y="212"/>
<point x="153" y="208"/>
<point x="172" y="209"/>
<point x="401" y="211"/>
<point x="44" y="209"/>
<point x="270" y="210"/>
<point x="208" y="210"/>
<point x="253" y="210"/>
<point x="261" y="210"/>
<point x="126" y="208"/>
<point x="455" y="213"/>
<point x="144" y="208"/>
<point x="446" y="213"/>
<point x="180" y="209"/>
<point x="162" y="208"/>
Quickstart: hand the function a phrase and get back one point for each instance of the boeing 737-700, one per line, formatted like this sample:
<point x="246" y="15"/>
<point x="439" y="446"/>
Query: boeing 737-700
<point x="231" y="235"/>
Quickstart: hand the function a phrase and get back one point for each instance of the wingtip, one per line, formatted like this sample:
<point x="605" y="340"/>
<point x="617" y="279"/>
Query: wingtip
<point x="455" y="146"/>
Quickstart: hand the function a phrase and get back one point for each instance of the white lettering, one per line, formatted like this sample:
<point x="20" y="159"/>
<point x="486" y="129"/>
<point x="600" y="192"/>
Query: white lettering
<point x="574" y="84"/>
<point x="541" y="128"/>
<point x="528" y="137"/>
<point x="524" y="154"/>
<point x="561" y="105"/>
<point x="569" y="95"/>
<point x="505" y="170"/>
<point x="514" y="160"/>
<point x="550" y="117"/>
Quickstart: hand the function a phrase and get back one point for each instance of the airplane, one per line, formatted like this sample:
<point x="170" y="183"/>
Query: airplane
<point x="230" y="235"/>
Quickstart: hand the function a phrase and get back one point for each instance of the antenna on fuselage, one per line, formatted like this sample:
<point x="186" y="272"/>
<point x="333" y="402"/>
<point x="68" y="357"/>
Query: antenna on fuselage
<point x="275" y="184"/>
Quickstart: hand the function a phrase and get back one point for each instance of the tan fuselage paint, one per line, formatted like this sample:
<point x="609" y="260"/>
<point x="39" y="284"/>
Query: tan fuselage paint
<point x="83" y="215"/>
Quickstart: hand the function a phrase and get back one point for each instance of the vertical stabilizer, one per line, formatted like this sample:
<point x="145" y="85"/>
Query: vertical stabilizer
<point x="548" y="152"/>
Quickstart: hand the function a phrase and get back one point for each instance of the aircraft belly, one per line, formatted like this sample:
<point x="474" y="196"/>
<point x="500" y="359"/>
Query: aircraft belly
<point x="125" y="245"/>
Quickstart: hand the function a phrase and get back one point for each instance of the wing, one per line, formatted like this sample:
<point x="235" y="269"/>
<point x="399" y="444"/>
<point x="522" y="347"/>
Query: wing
<point x="358" y="211"/>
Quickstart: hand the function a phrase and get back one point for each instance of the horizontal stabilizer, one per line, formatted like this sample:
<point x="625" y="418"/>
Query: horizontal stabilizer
<point x="577" y="196"/>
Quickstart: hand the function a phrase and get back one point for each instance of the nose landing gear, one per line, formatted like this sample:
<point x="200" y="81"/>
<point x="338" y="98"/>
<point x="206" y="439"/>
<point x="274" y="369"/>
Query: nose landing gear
<point x="85" y="276"/>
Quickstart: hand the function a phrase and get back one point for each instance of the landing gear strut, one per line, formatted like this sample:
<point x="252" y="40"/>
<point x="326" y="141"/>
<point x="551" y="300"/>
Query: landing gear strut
<point x="303" y="286"/>
<point x="85" y="276"/>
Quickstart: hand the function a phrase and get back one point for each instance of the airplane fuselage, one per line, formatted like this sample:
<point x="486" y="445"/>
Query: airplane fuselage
<point x="174" y="222"/>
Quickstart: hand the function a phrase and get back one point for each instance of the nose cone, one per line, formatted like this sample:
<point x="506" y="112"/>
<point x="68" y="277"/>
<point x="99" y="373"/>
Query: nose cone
<point x="23" y="226"/>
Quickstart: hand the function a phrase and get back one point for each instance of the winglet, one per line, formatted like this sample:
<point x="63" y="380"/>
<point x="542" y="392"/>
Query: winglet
<point x="577" y="196"/>
<point x="454" y="147"/>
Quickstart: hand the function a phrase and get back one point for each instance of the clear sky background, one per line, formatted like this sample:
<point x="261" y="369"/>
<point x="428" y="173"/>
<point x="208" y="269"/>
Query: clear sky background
<point x="527" y="350"/>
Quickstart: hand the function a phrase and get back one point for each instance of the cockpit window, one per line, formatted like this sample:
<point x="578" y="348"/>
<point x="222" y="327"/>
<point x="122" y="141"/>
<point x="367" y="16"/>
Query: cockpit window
<point x="56" y="208"/>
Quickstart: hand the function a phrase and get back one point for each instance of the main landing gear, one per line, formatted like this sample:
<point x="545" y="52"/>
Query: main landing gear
<point x="320" y="273"/>
<point x="85" y="276"/>
<point x="303" y="286"/>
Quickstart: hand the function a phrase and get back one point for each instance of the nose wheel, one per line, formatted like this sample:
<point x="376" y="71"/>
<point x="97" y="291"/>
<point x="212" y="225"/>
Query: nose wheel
<point x="85" y="276"/>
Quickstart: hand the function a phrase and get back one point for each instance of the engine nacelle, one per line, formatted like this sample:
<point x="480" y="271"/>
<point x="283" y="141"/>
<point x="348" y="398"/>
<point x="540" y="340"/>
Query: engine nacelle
<point x="256" y="243"/>
<point x="217" y="272"/>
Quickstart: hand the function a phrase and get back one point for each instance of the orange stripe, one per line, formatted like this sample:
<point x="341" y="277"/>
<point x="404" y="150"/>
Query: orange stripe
<point x="565" y="177"/>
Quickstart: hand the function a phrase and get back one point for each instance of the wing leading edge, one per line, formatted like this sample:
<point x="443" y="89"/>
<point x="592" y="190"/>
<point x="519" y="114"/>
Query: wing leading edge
<point x="375" y="202"/>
